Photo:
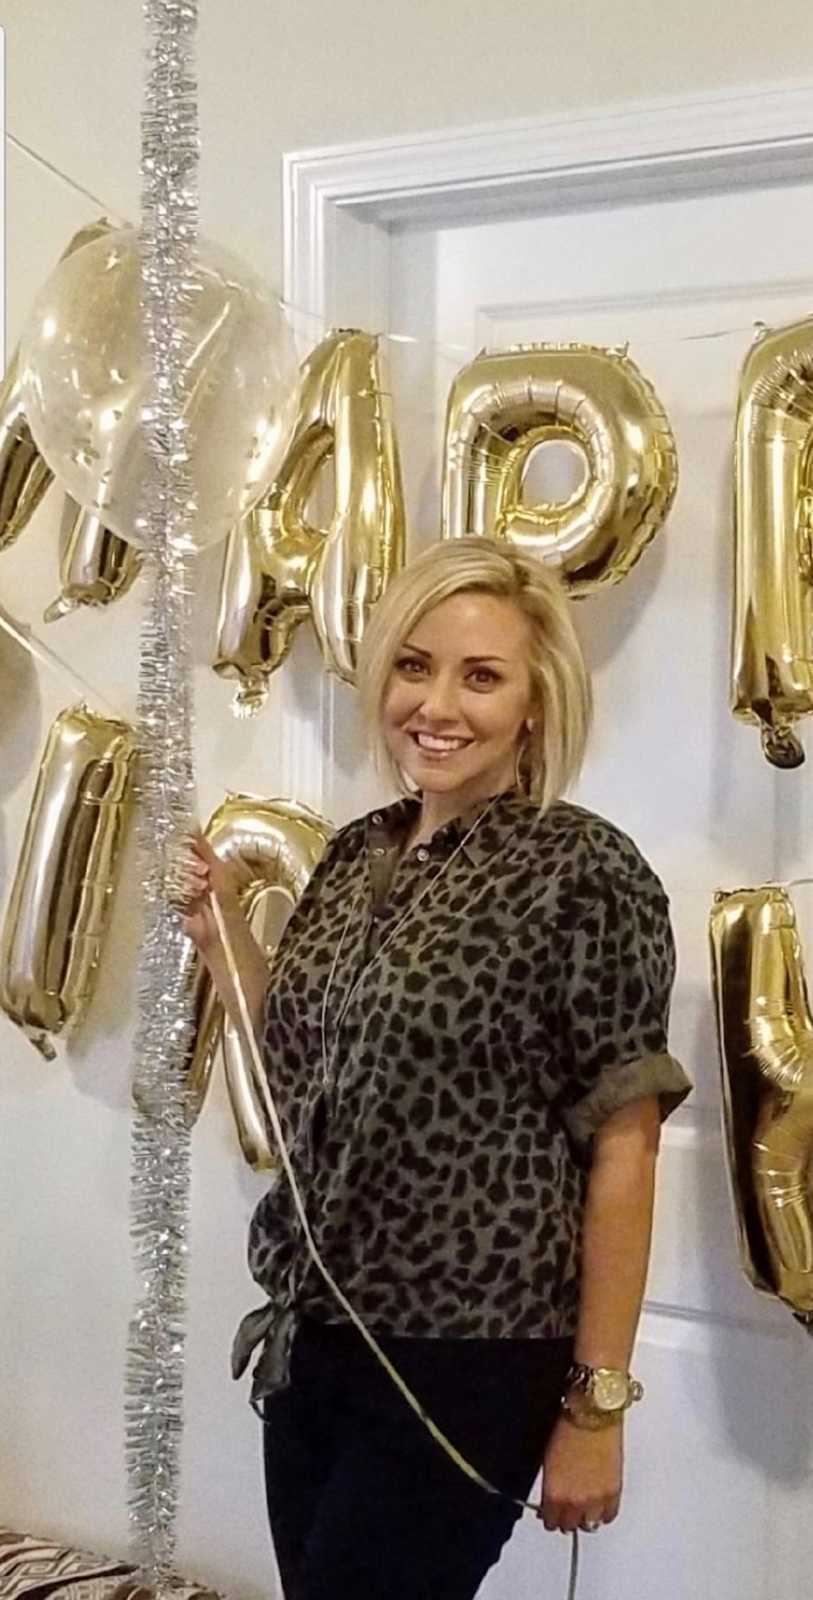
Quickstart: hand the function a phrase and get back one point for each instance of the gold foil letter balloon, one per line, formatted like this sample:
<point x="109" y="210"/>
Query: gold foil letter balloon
<point x="275" y="844"/>
<point x="765" y="1032"/>
<point x="95" y="565"/>
<point x="279" y="569"/>
<point x="507" y="403"/>
<point x="66" y="872"/>
<point x="772" y="646"/>
<point x="85" y="378"/>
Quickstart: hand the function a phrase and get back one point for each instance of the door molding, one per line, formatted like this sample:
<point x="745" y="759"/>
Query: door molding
<point x="339" y="201"/>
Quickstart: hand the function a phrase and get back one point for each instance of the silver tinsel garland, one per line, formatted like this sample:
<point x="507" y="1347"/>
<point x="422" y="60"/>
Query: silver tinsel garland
<point x="160" y="1143"/>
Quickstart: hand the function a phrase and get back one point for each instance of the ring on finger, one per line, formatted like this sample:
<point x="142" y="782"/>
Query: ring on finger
<point x="591" y="1526"/>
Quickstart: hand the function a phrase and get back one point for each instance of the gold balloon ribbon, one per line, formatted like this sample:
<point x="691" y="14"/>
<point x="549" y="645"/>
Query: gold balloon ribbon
<point x="505" y="404"/>
<point x="280" y="569"/>
<point x="266" y="1101"/>
<point x="63" y="887"/>
<point x="765" y="1033"/>
<point x="772" y="654"/>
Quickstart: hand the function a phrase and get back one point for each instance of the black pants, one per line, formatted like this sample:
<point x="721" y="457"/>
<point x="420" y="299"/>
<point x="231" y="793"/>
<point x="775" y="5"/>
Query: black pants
<point x="362" y="1502"/>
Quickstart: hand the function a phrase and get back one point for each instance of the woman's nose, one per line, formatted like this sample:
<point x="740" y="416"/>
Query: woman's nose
<point x="440" y="699"/>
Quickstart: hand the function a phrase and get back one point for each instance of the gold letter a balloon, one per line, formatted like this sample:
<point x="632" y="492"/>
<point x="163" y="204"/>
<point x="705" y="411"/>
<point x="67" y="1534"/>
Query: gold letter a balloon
<point x="279" y="569"/>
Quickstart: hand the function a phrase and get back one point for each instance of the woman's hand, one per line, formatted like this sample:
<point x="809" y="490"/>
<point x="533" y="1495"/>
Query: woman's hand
<point x="199" y="874"/>
<point x="582" y="1476"/>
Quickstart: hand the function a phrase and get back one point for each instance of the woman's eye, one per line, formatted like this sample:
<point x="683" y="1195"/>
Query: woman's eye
<point x="483" y="676"/>
<point x="407" y="663"/>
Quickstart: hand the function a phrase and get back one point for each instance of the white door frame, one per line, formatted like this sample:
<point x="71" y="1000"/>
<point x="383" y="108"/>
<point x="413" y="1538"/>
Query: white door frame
<point x="340" y="201"/>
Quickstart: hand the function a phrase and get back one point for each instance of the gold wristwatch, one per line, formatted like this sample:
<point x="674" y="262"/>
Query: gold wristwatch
<point x="597" y="1397"/>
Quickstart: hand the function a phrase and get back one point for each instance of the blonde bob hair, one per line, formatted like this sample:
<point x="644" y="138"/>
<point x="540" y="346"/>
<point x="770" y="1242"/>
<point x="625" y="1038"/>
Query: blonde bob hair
<point x="551" y="755"/>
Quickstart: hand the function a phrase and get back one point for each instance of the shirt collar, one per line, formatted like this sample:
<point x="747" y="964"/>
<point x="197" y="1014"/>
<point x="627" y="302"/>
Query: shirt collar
<point x="387" y="825"/>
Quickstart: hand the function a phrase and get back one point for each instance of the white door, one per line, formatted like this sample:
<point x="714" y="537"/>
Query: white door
<point x="719" y="1456"/>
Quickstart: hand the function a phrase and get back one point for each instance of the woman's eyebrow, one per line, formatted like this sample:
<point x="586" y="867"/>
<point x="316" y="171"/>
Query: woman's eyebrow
<point x="467" y="660"/>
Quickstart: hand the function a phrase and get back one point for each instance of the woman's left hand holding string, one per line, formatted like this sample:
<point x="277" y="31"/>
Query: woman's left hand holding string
<point x="582" y="1477"/>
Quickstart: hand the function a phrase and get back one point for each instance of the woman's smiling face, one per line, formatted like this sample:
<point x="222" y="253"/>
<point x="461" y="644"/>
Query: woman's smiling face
<point x="458" y="696"/>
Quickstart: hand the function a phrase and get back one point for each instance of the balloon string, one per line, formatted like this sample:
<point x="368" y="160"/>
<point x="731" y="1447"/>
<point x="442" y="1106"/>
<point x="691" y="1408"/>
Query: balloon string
<point x="270" y="1109"/>
<point x="452" y="352"/>
<point x="56" y="172"/>
<point x="54" y="663"/>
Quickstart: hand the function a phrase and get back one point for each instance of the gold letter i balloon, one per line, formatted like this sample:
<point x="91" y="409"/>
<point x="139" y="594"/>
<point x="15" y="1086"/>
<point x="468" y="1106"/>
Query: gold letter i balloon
<point x="765" y="1033"/>
<point x="772" y="666"/>
<point x="62" y="890"/>
<point x="507" y="403"/>
<point x="279" y="569"/>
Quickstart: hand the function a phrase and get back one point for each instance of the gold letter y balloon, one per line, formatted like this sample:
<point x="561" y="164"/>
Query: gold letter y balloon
<point x="279" y="569"/>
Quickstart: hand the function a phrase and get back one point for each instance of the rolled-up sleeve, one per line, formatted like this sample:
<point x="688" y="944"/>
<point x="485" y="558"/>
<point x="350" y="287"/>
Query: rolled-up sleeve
<point x="619" y="969"/>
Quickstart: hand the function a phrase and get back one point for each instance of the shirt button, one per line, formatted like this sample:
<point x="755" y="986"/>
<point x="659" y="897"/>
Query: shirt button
<point x="423" y="853"/>
<point x="377" y="818"/>
<point x="378" y="850"/>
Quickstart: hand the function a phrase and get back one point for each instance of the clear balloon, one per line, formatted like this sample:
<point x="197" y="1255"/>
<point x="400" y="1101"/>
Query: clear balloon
<point x="765" y="1033"/>
<point x="63" y="888"/>
<point x="772" y="659"/>
<point x="85" y="380"/>
<point x="507" y="403"/>
<point x="24" y="476"/>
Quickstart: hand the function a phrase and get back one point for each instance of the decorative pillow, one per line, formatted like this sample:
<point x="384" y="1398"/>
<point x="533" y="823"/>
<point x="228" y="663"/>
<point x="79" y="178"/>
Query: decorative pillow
<point x="37" y="1569"/>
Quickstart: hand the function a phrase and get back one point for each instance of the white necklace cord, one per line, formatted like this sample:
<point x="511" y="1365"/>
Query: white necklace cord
<point x="269" y="1107"/>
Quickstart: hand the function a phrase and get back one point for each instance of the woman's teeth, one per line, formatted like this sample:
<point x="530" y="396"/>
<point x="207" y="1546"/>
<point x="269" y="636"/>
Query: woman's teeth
<point x="439" y="746"/>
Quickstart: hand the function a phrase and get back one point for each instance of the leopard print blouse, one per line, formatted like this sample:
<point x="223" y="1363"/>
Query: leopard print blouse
<point x="444" y="1162"/>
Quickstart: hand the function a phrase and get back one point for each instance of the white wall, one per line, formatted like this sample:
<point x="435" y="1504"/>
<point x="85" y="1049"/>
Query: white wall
<point x="272" y="78"/>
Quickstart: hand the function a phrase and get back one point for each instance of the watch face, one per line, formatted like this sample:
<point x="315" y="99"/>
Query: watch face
<point x="609" y="1390"/>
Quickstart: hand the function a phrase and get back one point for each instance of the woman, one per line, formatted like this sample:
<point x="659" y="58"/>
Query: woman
<point x="465" y="1031"/>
